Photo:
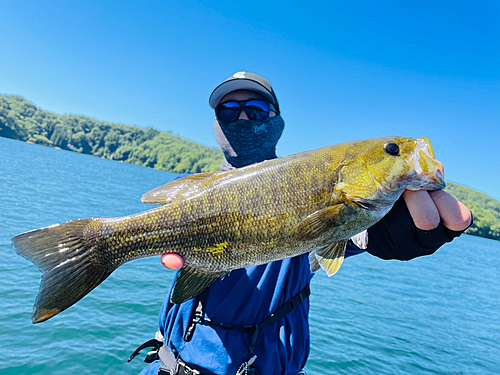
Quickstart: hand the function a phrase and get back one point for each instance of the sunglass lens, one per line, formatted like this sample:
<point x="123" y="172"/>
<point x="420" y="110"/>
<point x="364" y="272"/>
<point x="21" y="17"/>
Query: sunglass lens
<point x="228" y="112"/>
<point x="257" y="109"/>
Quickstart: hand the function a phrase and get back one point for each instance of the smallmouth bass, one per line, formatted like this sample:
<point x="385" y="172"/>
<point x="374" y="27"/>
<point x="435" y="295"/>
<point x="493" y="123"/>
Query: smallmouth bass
<point x="312" y="202"/>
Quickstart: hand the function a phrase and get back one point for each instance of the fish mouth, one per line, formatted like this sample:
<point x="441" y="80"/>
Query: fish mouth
<point x="427" y="176"/>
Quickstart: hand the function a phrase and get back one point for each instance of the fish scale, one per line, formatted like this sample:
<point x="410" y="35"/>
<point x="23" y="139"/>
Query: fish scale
<point x="221" y="221"/>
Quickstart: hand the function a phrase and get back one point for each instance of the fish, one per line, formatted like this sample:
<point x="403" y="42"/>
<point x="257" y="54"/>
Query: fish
<point x="310" y="202"/>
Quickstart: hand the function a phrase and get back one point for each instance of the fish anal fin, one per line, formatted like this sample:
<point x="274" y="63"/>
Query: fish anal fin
<point x="318" y="223"/>
<point x="329" y="257"/>
<point x="169" y="192"/>
<point x="190" y="283"/>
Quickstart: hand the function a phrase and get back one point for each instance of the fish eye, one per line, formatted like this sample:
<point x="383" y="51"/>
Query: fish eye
<point x="391" y="148"/>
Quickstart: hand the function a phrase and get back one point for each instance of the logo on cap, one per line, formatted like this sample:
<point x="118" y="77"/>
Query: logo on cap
<point x="239" y="75"/>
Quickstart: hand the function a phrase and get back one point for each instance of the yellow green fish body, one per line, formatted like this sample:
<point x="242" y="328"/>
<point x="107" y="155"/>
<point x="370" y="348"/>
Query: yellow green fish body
<point x="308" y="202"/>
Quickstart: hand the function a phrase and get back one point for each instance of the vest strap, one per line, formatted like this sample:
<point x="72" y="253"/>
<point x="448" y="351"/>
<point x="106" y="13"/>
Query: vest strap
<point x="290" y="305"/>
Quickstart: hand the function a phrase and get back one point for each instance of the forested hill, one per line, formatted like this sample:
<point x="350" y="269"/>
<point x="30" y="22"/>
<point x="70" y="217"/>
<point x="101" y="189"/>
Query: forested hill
<point x="486" y="210"/>
<point x="24" y="121"/>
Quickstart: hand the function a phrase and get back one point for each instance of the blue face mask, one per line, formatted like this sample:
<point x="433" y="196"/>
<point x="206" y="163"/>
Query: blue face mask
<point x="246" y="142"/>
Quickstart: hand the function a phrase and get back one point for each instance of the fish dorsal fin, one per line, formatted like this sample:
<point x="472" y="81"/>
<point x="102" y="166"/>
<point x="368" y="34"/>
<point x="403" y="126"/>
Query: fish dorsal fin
<point x="319" y="222"/>
<point x="190" y="283"/>
<point x="170" y="191"/>
<point x="329" y="257"/>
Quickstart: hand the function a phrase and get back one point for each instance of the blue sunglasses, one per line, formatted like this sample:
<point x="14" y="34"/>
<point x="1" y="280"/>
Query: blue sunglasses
<point x="255" y="109"/>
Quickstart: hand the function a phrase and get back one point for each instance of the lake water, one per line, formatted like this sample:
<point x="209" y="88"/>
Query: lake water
<point x="434" y="315"/>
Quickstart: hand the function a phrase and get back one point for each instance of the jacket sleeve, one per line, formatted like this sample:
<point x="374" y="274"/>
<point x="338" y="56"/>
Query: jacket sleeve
<point x="397" y="237"/>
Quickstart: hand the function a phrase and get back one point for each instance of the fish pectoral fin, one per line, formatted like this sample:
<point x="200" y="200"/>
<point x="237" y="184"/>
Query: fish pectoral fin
<point x="318" y="223"/>
<point x="329" y="257"/>
<point x="190" y="283"/>
<point x="169" y="192"/>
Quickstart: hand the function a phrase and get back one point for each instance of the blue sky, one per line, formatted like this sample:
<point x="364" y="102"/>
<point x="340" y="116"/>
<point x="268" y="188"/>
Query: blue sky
<point x="341" y="70"/>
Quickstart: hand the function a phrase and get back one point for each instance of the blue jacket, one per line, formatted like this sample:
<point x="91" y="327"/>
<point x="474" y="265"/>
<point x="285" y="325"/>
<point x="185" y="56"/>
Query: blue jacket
<point x="245" y="297"/>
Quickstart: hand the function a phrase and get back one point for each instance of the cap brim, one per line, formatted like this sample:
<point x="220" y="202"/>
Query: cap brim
<point x="238" y="84"/>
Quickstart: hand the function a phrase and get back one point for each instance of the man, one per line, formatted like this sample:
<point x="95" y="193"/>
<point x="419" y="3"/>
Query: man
<point x="256" y="319"/>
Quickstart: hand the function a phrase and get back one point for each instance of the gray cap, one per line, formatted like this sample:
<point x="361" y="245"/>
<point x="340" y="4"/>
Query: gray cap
<point x="244" y="81"/>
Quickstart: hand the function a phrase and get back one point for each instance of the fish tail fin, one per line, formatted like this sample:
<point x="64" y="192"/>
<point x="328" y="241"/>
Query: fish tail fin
<point x="71" y="266"/>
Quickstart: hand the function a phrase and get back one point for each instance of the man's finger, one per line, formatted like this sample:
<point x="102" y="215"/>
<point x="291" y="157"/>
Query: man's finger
<point x="172" y="261"/>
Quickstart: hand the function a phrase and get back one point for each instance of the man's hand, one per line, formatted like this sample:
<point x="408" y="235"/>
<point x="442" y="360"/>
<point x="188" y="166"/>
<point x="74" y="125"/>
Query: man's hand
<point x="172" y="261"/>
<point x="428" y="208"/>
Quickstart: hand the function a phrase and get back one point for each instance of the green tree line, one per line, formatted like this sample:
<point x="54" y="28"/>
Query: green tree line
<point x="486" y="210"/>
<point x="24" y="121"/>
